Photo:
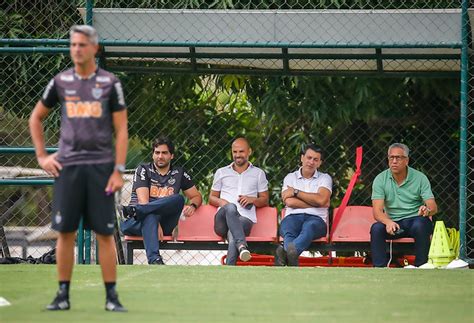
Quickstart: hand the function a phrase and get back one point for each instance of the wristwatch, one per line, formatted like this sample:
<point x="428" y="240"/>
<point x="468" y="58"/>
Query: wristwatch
<point x="120" y="168"/>
<point x="295" y="192"/>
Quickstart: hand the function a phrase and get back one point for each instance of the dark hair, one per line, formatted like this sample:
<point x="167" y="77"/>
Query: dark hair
<point x="163" y="140"/>
<point x="313" y="147"/>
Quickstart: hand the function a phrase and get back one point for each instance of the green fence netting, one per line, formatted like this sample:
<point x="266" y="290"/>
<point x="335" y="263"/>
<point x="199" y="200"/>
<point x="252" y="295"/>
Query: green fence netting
<point x="281" y="73"/>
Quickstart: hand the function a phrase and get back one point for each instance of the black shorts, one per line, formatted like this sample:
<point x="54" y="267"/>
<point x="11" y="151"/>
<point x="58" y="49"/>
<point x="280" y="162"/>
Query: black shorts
<point x="79" y="192"/>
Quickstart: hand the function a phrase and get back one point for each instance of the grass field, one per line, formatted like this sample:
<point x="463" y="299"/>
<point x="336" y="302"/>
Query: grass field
<point x="244" y="294"/>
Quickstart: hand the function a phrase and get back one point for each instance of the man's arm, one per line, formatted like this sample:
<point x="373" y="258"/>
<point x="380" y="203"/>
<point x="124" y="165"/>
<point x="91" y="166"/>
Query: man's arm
<point x="143" y="195"/>
<point x="119" y="119"/>
<point x="46" y="162"/>
<point x="215" y="200"/>
<point x="319" y="199"/>
<point x="260" y="201"/>
<point x="429" y="209"/>
<point x="296" y="203"/>
<point x="380" y="216"/>
<point x="195" y="201"/>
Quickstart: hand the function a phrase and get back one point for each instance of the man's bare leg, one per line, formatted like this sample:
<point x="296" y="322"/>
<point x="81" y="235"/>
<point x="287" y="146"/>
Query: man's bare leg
<point x="108" y="264"/>
<point x="64" y="266"/>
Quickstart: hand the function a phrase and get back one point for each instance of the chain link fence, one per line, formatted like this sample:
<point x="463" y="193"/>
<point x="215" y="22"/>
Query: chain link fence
<point x="281" y="73"/>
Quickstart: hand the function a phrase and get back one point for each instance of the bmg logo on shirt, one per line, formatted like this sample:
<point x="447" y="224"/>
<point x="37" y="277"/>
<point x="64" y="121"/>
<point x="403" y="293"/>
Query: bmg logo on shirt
<point x="156" y="191"/>
<point x="84" y="109"/>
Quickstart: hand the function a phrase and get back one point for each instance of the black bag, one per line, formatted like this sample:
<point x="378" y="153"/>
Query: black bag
<point x="47" y="258"/>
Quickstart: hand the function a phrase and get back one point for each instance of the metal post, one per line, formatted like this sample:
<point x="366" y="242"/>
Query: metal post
<point x="89" y="13"/>
<point x="463" y="131"/>
<point x="80" y="243"/>
<point x="87" y="247"/>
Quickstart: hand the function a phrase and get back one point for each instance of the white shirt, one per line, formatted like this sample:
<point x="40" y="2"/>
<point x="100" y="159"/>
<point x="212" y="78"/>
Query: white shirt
<point x="231" y="184"/>
<point x="308" y="185"/>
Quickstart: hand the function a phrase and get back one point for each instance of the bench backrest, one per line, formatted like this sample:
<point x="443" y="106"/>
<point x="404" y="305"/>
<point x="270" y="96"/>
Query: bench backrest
<point x="200" y="226"/>
<point x="267" y="225"/>
<point x="354" y="225"/>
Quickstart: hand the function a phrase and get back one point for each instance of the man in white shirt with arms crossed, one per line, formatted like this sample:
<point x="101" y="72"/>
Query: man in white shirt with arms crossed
<point x="306" y="194"/>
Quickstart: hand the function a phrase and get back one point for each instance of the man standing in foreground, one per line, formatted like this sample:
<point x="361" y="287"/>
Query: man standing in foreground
<point x="402" y="203"/>
<point x="238" y="189"/>
<point x="86" y="174"/>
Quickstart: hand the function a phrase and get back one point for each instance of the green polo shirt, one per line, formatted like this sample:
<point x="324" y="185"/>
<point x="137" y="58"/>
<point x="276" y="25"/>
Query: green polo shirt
<point x="402" y="201"/>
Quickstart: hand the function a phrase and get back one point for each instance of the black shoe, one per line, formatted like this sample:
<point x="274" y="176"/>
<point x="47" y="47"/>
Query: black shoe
<point x="60" y="302"/>
<point x="244" y="253"/>
<point x="158" y="261"/>
<point x="292" y="255"/>
<point x="112" y="304"/>
<point x="129" y="211"/>
<point x="280" y="256"/>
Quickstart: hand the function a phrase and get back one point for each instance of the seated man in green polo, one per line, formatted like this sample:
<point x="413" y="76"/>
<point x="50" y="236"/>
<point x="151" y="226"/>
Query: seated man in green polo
<point x="402" y="203"/>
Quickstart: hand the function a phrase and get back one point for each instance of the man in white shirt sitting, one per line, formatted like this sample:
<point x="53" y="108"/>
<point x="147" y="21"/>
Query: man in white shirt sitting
<point x="238" y="189"/>
<point x="306" y="194"/>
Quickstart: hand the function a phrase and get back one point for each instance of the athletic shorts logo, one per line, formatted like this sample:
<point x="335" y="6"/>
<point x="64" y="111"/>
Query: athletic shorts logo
<point x="171" y="181"/>
<point x="110" y="225"/>
<point x="97" y="93"/>
<point x="70" y="92"/>
<point x="58" y="218"/>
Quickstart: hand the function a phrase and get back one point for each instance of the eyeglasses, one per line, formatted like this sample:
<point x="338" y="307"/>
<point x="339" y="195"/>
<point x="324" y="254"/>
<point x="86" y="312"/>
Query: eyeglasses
<point x="396" y="157"/>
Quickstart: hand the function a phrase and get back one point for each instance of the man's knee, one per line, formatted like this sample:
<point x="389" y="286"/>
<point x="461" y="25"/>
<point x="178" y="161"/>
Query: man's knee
<point x="230" y="208"/>
<point x="287" y="226"/>
<point x="377" y="229"/>
<point x="422" y="226"/>
<point x="318" y="228"/>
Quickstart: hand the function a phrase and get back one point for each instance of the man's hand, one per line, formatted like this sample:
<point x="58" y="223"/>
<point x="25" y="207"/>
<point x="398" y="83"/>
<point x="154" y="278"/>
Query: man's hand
<point x="188" y="210"/>
<point x="391" y="227"/>
<point x="50" y="164"/>
<point x="115" y="183"/>
<point x="245" y="201"/>
<point x="289" y="192"/>
<point x="424" y="210"/>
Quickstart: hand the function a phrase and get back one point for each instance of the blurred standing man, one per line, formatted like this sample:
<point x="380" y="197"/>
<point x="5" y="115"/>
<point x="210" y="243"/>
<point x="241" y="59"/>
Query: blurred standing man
<point x="306" y="194"/>
<point x="402" y="203"/>
<point x="92" y="107"/>
<point x="238" y="189"/>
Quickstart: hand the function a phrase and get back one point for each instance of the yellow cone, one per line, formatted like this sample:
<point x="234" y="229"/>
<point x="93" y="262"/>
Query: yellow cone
<point x="440" y="253"/>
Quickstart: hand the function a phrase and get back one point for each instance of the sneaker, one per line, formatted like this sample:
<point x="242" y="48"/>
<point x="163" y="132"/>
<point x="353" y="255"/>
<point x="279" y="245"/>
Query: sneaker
<point x="60" y="302"/>
<point x="292" y="255"/>
<point x="158" y="261"/>
<point x="129" y="211"/>
<point x="280" y="256"/>
<point x="112" y="304"/>
<point x="244" y="253"/>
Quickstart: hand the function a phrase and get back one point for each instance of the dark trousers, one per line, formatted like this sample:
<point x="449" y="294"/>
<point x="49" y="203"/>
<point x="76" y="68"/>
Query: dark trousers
<point x="228" y="223"/>
<point x="165" y="212"/>
<point x="418" y="227"/>
<point x="301" y="229"/>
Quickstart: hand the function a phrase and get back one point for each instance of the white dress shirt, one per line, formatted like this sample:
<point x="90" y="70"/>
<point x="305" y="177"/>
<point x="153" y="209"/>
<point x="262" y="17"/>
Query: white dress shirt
<point x="231" y="184"/>
<point x="308" y="185"/>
